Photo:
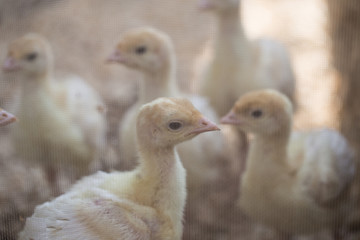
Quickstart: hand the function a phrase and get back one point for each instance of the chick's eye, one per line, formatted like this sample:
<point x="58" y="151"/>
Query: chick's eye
<point x="175" y="125"/>
<point x="256" y="113"/>
<point x="140" y="50"/>
<point x="31" y="56"/>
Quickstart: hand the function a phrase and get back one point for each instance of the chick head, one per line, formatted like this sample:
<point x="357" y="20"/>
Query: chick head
<point x="30" y="54"/>
<point x="145" y="49"/>
<point x="6" y="118"/>
<point x="166" y="122"/>
<point x="220" y="6"/>
<point x="263" y="112"/>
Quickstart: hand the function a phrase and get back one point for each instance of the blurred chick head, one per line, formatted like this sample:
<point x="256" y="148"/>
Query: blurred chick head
<point x="220" y="6"/>
<point x="6" y="118"/>
<point x="30" y="55"/>
<point x="262" y="112"/>
<point x="169" y="121"/>
<point x="145" y="49"/>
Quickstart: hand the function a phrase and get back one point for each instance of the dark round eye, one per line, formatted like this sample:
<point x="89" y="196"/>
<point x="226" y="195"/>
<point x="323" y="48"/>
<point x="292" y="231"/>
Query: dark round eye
<point x="140" y="50"/>
<point x="31" y="56"/>
<point x="175" y="125"/>
<point x="256" y="113"/>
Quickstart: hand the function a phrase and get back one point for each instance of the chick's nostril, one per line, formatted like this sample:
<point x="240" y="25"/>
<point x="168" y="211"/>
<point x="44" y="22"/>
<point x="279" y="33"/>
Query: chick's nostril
<point x="204" y="123"/>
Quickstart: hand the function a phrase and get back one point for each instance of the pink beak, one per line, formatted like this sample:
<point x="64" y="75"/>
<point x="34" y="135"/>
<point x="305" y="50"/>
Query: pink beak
<point x="10" y="65"/>
<point x="116" y="57"/>
<point x="6" y="118"/>
<point x="204" y="125"/>
<point x="230" y="118"/>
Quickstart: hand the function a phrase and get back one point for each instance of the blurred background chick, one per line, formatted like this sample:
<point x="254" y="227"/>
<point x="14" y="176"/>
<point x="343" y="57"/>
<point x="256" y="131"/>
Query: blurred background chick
<point x="152" y="53"/>
<point x="62" y="123"/>
<point x="240" y="64"/>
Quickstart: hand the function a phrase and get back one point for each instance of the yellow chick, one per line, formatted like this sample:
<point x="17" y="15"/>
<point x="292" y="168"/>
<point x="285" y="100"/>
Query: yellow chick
<point x="151" y="52"/>
<point x="6" y="118"/>
<point x="239" y="64"/>
<point x="62" y="122"/>
<point x="295" y="182"/>
<point x="146" y="203"/>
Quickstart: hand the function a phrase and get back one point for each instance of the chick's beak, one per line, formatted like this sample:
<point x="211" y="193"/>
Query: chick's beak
<point x="116" y="57"/>
<point x="6" y="118"/>
<point x="230" y="118"/>
<point x="204" y="125"/>
<point x="10" y="64"/>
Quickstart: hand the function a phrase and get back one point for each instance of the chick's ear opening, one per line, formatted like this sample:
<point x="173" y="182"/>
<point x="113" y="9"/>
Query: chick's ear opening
<point x="155" y="132"/>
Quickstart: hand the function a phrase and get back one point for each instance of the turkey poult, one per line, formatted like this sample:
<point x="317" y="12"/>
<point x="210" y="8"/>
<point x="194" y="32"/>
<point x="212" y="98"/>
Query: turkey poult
<point x="62" y="122"/>
<point x="239" y="64"/>
<point x="151" y="52"/>
<point x="146" y="203"/>
<point x="295" y="182"/>
<point x="6" y="118"/>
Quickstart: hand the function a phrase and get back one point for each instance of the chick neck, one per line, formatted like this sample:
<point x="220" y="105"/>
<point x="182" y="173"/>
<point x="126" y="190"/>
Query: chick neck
<point x="231" y="39"/>
<point x="269" y="151"/>
<point x="163" y="174"/>
<point x="36" y="80"/>
<point x="158" y="83"/>
<point x="157" y="162"/>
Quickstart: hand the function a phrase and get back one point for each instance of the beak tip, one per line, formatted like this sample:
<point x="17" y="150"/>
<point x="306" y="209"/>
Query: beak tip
<point x="229" y="118"/>
<point x="224" y="120"/>
<point x="210" y="126"/>
<point x="7" y="120"/>
<point x="115" y="57"/>
<point x="10" y="65"/>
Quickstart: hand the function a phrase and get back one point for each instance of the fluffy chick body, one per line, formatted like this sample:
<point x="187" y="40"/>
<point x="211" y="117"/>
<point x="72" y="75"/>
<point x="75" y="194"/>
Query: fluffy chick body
<point x="296" y="182"/>
<point x="146" y="203"/>
<point x="62" y="122"/>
